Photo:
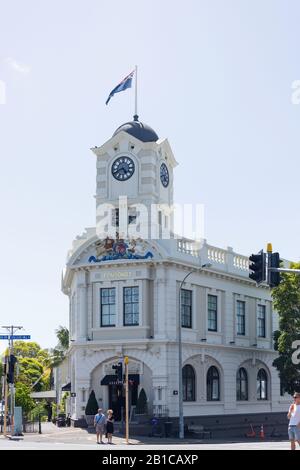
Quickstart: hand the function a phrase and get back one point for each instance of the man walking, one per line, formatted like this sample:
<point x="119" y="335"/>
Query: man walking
<point x="99" y="423"/>
<point x="294" y="424"/>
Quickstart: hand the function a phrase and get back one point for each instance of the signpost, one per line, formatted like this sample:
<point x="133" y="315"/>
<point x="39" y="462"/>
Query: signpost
<point x="126" y="361"/>
<point x="9" y="376"/>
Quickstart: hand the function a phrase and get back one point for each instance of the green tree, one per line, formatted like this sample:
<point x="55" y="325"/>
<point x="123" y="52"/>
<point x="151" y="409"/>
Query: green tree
<point x="62" y="334"/>
<point x="59" y="352"/>
<point x="286" y="300"/>
<point x="23" y="398"/>
<point x="31" y="373"/>
<point x="92" y="405"/>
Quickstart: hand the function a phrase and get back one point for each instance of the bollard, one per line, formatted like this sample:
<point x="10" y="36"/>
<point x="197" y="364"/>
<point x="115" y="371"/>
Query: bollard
<point x="40" y="425"/>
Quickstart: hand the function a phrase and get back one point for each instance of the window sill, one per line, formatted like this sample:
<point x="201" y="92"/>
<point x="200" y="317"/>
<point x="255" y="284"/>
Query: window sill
<point x="120" y="328"/>
<point x="203" y="403"/>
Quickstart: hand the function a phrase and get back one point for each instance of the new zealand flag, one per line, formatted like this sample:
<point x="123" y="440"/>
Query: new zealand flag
<point x="125" y="83"/>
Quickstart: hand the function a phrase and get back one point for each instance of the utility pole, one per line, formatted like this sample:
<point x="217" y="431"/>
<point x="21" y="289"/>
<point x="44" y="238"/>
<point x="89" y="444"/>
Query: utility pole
<point x="11" y="329"/>
<point x="126" y="361"/>
<point x="5" y="385"/>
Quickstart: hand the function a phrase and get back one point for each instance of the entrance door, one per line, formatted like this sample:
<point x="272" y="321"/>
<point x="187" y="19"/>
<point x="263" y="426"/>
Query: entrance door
<point x="117" y="398"/>
<point x="116" y="401"/>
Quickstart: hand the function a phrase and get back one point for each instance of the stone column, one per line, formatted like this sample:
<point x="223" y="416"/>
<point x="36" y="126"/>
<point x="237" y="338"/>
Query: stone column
<point x="160" y="311"/>
<point x="82" y="312"/>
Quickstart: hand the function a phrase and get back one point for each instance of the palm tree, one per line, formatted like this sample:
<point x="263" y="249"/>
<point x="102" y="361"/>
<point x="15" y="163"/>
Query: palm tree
<point x="62" y="334"/>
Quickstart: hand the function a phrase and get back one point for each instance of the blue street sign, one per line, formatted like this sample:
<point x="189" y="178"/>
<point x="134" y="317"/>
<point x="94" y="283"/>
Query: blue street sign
<point x="20" y="337"/>
<point x="15" y="336"/>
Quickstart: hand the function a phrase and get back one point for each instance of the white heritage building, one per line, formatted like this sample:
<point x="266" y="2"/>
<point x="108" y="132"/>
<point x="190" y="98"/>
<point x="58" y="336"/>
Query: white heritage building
<point x="124" y="302"/>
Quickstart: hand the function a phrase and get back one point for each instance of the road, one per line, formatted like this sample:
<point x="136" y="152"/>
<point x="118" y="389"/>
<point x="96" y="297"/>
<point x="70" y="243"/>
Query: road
<point x="79" y="439"/>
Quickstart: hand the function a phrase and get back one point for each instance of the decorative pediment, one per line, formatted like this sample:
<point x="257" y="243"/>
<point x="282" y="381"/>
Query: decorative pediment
<point x="112" y="249"/>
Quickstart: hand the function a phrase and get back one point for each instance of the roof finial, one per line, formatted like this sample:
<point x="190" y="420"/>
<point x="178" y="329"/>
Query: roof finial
<point x="135" y="117"/>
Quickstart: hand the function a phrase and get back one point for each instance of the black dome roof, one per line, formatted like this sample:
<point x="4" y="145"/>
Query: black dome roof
<point x="139" y="130"/>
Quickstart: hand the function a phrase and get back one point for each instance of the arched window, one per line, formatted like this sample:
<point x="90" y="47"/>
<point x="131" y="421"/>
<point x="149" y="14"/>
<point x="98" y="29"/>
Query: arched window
<point x="213" y="384"/>
<point x="241" y="385"/>
<point x="262" y="385"/>
<point x="188" y="383"/>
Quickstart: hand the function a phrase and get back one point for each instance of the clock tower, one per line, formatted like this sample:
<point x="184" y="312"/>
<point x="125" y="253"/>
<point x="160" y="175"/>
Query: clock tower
<point x="138" y="165"/>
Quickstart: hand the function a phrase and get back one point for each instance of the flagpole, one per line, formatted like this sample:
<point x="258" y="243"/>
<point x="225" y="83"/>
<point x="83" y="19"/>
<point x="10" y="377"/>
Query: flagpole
<point x="135" y="109"/>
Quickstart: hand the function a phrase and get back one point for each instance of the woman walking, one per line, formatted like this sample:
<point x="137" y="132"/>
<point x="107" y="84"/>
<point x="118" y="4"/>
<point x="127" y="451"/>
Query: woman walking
<point x="109" y="426"/>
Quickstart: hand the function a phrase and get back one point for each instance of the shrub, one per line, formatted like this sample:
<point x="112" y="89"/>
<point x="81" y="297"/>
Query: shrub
<point x="92" y="405"/>
<point x="141" y="406"/>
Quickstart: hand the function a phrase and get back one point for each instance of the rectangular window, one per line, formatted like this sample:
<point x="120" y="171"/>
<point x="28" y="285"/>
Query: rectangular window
<point x="186" y="308"/>
<point x="108" y="307"/>
<point x="115" y="218"/>
<point x="212" y="302"/>
<point x="132" y="215"/>
<point x="261" y="321"/>
<point x="131" y="306"/>
<point x="240" y="317"/>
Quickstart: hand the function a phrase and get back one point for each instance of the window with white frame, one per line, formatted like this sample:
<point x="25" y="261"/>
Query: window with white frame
<point x="108" y="307"/>
<point x="240" y="318"/>
<point x="188" y="383"/>
<point x="262" y="385"/>
<point x="261" y="321"/>
<point x="241" y="385"/>
<point x="186" y="308"/>
<point x="212" y="304"/>
<point x="213" y="384"/>
<point x="131" y="306"/>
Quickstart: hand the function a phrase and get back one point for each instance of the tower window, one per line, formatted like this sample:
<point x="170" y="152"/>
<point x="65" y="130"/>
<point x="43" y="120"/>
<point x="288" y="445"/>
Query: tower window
<point x="115" y="217"/>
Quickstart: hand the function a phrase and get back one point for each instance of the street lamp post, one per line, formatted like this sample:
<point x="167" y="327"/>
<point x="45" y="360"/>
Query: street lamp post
<point x="180" y="390"/>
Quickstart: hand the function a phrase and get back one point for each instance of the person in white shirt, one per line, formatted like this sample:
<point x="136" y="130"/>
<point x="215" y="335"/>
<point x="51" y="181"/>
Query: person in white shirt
<point x="294" y="424"/>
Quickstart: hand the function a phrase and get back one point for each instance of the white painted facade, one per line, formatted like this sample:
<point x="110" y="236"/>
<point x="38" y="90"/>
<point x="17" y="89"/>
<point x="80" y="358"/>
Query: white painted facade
<point x="152" y="345"/>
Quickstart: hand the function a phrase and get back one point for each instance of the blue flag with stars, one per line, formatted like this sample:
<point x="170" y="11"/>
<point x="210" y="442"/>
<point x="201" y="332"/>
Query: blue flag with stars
<point x="123" y="85"/>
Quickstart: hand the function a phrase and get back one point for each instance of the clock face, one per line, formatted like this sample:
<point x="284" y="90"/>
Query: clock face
<point x="122" y="168"/>
<point x="164" y="175"/>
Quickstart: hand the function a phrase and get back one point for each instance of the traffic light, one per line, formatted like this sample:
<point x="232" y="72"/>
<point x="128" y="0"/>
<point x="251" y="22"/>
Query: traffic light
<point x="258" y="267"/>
<point x="119" y="371"/>
<point x="274" y="278"/>
<point x="11" y="369"/>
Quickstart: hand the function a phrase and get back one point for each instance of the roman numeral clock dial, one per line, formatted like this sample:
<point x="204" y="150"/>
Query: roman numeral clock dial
<point x="164" y="175"/>
<point x="122" y="168"/>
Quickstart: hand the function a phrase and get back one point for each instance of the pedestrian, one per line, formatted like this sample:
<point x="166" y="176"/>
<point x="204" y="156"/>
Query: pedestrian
<point x="294" y="424"/>
<point x="99" y="423"/>
<point x="109" y="426"/>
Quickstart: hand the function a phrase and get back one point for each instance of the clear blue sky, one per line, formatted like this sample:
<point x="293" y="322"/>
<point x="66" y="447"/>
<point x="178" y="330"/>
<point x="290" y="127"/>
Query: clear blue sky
<point x="215" y="77"/>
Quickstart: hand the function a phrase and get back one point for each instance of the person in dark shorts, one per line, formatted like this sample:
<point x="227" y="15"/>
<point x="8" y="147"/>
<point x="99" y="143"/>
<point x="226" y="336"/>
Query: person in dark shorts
<point x="109" y="426"/>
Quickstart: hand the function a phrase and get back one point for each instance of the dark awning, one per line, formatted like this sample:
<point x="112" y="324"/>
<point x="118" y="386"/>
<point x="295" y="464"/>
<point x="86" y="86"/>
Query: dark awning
<point x="113" y="379"/>
<point x="66" y="387"/>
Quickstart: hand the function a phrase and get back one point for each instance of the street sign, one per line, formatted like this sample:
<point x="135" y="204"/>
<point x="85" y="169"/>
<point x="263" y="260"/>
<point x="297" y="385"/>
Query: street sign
<point x="15" y="336"/>
<point x="73" y="394"/>
<point x="20" y="337"/>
